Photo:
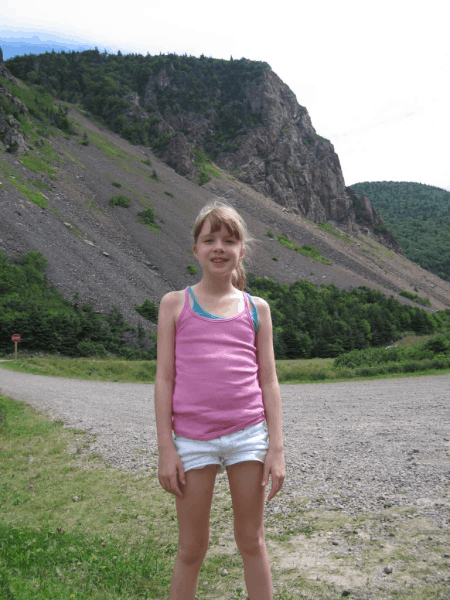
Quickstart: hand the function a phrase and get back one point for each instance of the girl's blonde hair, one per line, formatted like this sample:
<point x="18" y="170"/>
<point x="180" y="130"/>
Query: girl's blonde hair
<point x="220" y="214"/>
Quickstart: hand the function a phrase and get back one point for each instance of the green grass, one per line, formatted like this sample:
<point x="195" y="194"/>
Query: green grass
<point x="37" y="165"/>
<point x="335" y="232"/>
<point x="87" y="368"/>
<point x="415" y="298"/>
<point x="315" y="370"/>
<point x="52" y="546"/>
<point x="309" y="251"/>
<point x="35" y="197"/>
<point x="74" y="159"/>
<point x="13" y="177"/>
<point x="42" y="186"/>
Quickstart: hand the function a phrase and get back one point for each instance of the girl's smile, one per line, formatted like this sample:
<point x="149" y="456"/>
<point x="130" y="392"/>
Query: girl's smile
<point x="218" y="248"/>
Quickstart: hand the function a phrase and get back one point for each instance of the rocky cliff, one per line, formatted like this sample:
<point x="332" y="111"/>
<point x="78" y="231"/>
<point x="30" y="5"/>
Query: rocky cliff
<point x="9" y="126"/>
<point x="281" y="157"/>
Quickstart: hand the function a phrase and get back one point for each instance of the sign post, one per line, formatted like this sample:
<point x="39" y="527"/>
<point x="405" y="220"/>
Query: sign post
<point x="15" y="339"/>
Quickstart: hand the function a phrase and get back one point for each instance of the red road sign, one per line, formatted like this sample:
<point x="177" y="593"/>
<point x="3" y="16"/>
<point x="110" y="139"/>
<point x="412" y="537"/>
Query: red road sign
<point x="16" y="338"/>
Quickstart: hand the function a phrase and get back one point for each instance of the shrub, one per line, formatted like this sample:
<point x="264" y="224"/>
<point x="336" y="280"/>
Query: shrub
<point x="192" y="269"/>
<point x="89" y="348"/>
<point x="120" y="200"/>
<point x="146" y="217"/>
<point x="148" y="310"/>
<point x="412" y="366"/>
<point x="203" y="177"/>
<point x="438" y="345"/>
<point x="365" y="371"/>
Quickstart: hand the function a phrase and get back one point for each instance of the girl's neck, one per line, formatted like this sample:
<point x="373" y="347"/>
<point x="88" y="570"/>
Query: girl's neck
<point x="218" y="289"/>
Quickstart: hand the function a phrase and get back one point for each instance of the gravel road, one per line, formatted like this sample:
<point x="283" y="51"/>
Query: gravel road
<point x="354" y="446"/>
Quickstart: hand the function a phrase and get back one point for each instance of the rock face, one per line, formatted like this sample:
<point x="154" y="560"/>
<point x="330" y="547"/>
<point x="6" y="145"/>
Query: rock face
<point x="179" y="156"/>
<point x="281" y="157"/>
<point x="9" y="125"/>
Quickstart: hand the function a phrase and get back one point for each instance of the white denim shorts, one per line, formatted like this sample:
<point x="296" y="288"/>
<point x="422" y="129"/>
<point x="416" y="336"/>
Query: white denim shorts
<point x="251" y="443"/>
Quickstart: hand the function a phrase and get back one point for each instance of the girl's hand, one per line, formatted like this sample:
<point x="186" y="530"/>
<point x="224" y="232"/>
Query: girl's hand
<point x="274" y="465"/>
<point x="170" y="471"/>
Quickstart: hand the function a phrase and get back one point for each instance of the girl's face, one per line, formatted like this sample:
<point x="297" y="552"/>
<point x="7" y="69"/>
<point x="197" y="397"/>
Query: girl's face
<point x="218" y="245"/>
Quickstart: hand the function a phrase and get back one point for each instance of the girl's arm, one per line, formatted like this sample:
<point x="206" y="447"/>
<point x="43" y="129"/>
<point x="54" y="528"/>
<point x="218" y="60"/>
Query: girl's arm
<point x="170" y="468"/>
<point x="267" y="375"/>
<point x="165" y="369"/>
<point x="274" y="464"/>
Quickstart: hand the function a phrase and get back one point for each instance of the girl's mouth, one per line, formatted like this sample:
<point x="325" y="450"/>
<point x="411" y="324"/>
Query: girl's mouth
<point x="219" y="261"/>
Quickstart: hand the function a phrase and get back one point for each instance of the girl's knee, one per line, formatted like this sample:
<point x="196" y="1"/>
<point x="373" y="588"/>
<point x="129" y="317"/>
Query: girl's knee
<point x="250" y="542"/>
<point x="192" y="550"/>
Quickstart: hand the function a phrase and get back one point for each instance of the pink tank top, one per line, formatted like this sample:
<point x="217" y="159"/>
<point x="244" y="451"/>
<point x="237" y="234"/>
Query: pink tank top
<point x="217" y="390"/>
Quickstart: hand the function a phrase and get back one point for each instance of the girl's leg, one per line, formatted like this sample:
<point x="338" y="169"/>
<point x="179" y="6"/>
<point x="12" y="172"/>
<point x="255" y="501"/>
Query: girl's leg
<point x="248" y="496"/>
<point x="193" y="511"/>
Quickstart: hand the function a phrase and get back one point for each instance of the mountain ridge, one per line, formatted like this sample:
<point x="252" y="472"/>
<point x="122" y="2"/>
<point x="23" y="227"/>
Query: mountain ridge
<point x="238" y="112"/>
<point x="56" y="196"/>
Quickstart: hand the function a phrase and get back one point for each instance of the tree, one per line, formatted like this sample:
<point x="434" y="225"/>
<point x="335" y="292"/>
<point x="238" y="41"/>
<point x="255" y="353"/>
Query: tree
<point x="1" y="55"/>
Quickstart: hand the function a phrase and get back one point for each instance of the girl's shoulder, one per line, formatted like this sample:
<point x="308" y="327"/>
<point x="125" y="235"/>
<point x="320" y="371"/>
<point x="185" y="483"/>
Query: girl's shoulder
<point x="261" y="307"/>
<point x="176" y="299"/>
<point x="259" y="301"/>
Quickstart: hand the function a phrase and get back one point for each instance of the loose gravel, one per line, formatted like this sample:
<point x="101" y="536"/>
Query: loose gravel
<point x="352" y="446"/>
<point x="365" y="505"/>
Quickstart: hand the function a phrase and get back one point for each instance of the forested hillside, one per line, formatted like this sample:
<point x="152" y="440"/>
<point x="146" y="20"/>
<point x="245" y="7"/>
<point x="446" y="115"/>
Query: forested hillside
<point x="419" y="217"/>
<point x="308" y="320"/>
<point x="104" y="84"/>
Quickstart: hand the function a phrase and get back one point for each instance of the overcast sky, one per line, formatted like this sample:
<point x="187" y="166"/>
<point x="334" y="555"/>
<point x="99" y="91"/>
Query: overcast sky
<point x="374" y="76"/>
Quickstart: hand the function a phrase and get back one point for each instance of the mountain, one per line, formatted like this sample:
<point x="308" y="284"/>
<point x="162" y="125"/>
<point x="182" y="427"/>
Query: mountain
<point x="114" y="220"/>
<point x="418" y="216"/>
<point x="237" y="113"/>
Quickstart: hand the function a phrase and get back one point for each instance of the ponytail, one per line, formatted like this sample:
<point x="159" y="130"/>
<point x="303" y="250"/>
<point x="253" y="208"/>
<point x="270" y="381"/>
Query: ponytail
<point x="238" y="278"/>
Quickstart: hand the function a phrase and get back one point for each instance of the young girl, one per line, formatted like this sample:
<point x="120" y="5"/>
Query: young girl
<point x="216" y="385"/>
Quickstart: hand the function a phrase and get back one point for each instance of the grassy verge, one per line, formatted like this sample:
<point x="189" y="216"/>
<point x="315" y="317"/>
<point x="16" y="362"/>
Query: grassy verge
<point x="52" y="546"/>
<point x="291" y="372"/>
<point x="115" y="370"/>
